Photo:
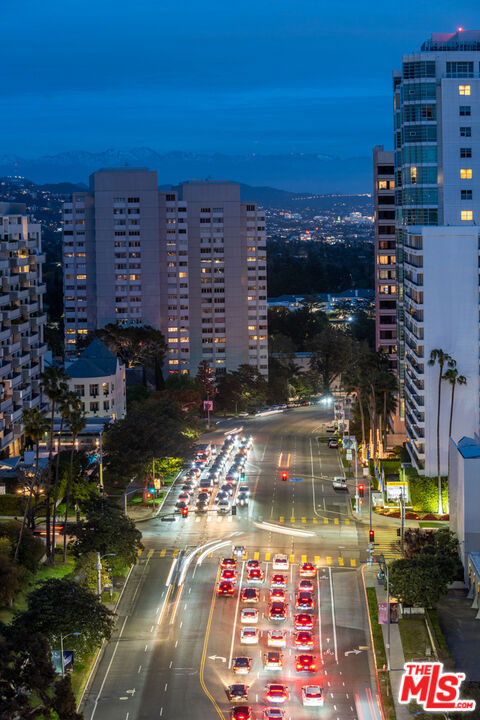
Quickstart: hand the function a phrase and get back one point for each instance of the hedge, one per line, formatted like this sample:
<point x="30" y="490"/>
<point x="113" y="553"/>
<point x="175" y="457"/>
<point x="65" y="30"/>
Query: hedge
<point x="424" y="493"/>
<point x="11" y="505"/>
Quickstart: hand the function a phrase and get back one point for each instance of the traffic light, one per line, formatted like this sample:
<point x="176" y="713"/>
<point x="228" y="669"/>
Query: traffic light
<point x="234" y="509"/>
<point x="284" y="475"/>
<point x="361" y="490"/>
<point x="371" y="535"/>
<point x="184" y="512"/>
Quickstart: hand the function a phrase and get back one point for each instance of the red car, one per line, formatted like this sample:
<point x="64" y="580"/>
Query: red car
<point x="303" y="639"/>
<point x="277" y="693"/>
<point x="225" y="588"/>
<point x="305" y="663"/>
<point x="308" y="570"/>
<point x="229" y="574"/>
<point x="304" y="601"/>
<point x="303" y="621"/>
<point x="278" y="581"/>
<point x="253" y="564"/>
<point x="277" y="594"/>
<point x="229" y="563"/>
<point x="277" y="611"/>
<point x="241" y="712"/>
<point x="255" y="575"/>
<point x="305" y="586"/>
<point x="250" y="595"/>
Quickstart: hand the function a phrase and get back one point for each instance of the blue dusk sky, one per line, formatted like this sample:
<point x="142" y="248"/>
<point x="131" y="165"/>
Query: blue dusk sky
<point x="256" y="76"/>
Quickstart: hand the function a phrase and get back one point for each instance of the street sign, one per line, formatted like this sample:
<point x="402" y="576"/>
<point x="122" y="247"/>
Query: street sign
<point x="296" y="479"/>
<point x="208" y="405"/>
<point x="67" y="661"/>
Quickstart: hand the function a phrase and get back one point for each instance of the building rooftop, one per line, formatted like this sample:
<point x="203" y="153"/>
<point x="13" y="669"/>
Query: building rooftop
<point x="462" y="40"/>
<point x="469" y="447"/>
<point x="95" y="361"/>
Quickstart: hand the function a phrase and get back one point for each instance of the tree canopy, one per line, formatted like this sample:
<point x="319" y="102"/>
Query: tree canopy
<point x="421" y="581"/>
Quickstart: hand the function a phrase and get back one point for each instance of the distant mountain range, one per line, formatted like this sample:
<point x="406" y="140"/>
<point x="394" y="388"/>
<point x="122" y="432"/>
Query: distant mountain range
<point x="300" y="173"/>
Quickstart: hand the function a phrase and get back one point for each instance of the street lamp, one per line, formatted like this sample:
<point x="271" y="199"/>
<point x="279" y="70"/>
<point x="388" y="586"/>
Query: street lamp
<point x="62" y="638"/>
<point x="99" y="572"/>
<point x="100" y="446"/>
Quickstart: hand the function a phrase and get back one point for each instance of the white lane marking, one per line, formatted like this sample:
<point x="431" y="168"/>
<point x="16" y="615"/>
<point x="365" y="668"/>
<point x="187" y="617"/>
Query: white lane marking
<point x="236" y="615"/>
<point x="170" y="573"/>
<point x="171" y="663"/>
<point x="319" y="620"/>
<point x="161" y="711"/>
<point x="313" y="481"/>
<point x="151" y="629"/>
<point x="166" y="685"/>
<point x="139" y="669"/>
<point x="333" y="614"/>
<point x="176" y="643"/>
<point x="182" y="624"/>
<point x="146" y="647"/>
<point x="126" y="716"/>
<point x="108" y="669"/>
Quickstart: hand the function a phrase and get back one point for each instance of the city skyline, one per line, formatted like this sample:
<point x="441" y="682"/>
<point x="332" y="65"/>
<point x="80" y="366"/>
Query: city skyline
<point x="169" y="78"/>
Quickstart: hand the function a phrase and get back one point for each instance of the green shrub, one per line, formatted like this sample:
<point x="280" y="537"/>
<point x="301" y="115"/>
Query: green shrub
<point x="11" y="505"/>
<point x="424" y="493"/>
<point x="32" y="548"/>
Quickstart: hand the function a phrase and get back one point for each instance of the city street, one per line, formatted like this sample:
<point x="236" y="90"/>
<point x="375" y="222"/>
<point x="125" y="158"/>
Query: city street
<point x="172" y="653"/>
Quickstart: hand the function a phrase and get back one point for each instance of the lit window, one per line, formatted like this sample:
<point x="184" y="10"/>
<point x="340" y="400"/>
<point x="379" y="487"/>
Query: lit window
<point x="70" y="332"/>
<point x="413" y="175"/>
<point x="252" y="327"/>
<point x="183" y="274"/>
<point x="84" y="277"/>
<point x="465" y="173"/>
<point x="464" y="89"/>
<point x="382" y="185"/>
<point x="466" y="215"/>
<point x="82" y="332"/>
<point x="173" y="329"/>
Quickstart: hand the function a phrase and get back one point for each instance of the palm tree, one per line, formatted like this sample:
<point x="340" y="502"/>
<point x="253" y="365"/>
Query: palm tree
<point x="35" y="425"/>
<point x="54" y="382"/>
<point x="440" y="357"/>
<point x="76" y="421"/>
<point x="64" y="404"/>
<point x="454" y="379"/>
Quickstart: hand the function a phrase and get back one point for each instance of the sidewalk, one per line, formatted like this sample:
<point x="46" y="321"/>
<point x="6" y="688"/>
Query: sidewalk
<point x="397" y="658"/>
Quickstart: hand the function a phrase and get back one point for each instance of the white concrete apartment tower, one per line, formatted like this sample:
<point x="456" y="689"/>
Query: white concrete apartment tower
<point x="437" y="199"/>
<point x="190" y="261"/>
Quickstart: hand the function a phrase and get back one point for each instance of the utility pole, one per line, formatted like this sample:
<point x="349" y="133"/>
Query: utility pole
<point x="402" y="515"/>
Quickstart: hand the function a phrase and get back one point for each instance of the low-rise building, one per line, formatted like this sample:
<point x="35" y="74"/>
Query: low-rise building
<point x="98" y="377"/>
<point x="464" y="494"/>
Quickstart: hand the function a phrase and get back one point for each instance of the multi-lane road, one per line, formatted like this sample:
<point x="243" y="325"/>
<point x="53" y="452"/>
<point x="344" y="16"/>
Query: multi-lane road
<point x="171" y="654"/>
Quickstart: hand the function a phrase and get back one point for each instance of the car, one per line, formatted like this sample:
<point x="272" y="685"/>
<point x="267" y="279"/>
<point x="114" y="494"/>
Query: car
<point x="223" y="507"/>
<point x="225" y="588"/>
<point x="249" y="616"/>
<point x="238" y="692"/>
<point x="242" y="712"/>
<point x="278" y="581"/>
<point x="276" y="693"/>
<point x="303" y="621"/>
<point x="303" y="639"/>
<point x="304" y="601"/>
<point x="228" y="562"/>
<point x="277" y="611"/>
<point x="240" y="551"/>
<point x="242" y="665"/>
<point x="205" y="485"/>
<point x="184" y="497"/>
<point x="340" y="483"/>
<point x="245" y="490"/>
<point x="312" y="695"/>
<point x="250" y="595"/>
<point x="253" y="564"/>
<point x="219" y="497"/>
<point x="181" y="505"/>
<point x="305" y="663"/>
<point x="226" y="488"/>
<point x="201" y="507"/>
<point x="305" y="585"/>
<point x="333" y="443"/>
<point x="255" y="576"/>
<point x="278" y="594"/>
<point x="280" y="562"/>
<point x="203" y="497"/>
<point x="273" y="660"/>
<point x="249" y="636"/>
<point x="277" y="638"/>
<point x="187" y="488"/>
<point x="330" y="429"/>
<point x="242" y="500"/>
<point x="229" y="574"/>
<point x="307" y="570"/>
<point x="274" y="714"/>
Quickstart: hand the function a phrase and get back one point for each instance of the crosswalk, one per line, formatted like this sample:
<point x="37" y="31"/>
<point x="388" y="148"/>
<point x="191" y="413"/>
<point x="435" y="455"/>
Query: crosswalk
<point x="281" y="519"/>
<point x="387" y="543"/>
<point x="263" y="556"/>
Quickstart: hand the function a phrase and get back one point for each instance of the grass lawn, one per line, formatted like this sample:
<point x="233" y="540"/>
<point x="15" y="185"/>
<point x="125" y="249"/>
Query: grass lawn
<point x="432" y="523"/>
<point x="80" y="674"/>
<point x="415" y="640"/>
<point x="380" y="655"/>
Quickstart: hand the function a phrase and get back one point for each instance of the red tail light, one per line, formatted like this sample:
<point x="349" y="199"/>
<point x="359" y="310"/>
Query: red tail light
<point x="299" y="666"/>
<point x="312" y="667"/>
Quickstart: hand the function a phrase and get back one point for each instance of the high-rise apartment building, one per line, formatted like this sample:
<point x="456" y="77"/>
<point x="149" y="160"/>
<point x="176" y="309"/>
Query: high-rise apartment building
<point x="385" y="254"/>
<point x="22" y="321"/>
<point x="437" y="193"/>
<point x="190" y="262"/>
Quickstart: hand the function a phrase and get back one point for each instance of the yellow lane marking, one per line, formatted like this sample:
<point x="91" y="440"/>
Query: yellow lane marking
<point x="315" y="521"/>
<point x="304" y="520"/>
<point x="280" y="460"/>
<point x="335" y="520"/>
<point x="139" y="552"/>
<point x="175" y="553"/>
<point x="292" y="558"/>
<point x="163" y="552"/>
<point x="282" y="518"/>
<point x="292" y="519"/>
<point x="353" y="562"/>
<point x="329" y="560"/>
<point x="341" y="561"/>
<point x="288" y="460"/>
<point x="267" y="557"/>
<point x="204" y="652"/>
<point x="317" y="559"/>
<point x="150" y="553"/>
<point x="347" y="521"/>
<point x="304" y="558"/>
<point x="325" y="521"/>
<point x="256" y="555"/>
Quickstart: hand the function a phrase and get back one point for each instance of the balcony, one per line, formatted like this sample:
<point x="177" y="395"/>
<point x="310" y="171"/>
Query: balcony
<point x="417" y="350"/>
<point x="6" y="438"/>
<point x="11" y="313"/>
<point x="5" y="370"/>
<point x="38" y="320"/>
<point x="416" y="400"/>
<point x="33" y="402"/>
<point x="14" y="416"/>
<point x="20" y="326"/>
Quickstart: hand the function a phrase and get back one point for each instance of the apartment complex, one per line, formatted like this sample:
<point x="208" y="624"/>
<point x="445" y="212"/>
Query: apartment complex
<point x="437" y="191"/>
<point x="190" y="261"/>
<point x="22" y="321"/>
<point x="385" y="254"/>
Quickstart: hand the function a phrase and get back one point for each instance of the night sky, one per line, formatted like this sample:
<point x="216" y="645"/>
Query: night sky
<point x="209" y="76"/>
